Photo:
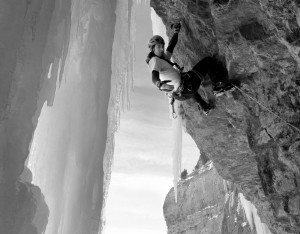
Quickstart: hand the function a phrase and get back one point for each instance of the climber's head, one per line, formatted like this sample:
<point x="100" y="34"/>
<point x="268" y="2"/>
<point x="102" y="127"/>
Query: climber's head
<point x="157" y="45"/>
<point x="158" y="50"/>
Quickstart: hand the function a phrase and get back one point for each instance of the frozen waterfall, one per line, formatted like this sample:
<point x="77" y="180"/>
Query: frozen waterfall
<point x="74" y="138"/>
<point x="252" y="216"/>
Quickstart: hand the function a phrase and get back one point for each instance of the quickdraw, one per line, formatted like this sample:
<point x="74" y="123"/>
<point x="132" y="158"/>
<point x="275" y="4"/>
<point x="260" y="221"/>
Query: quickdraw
<point x="174" y="115"/>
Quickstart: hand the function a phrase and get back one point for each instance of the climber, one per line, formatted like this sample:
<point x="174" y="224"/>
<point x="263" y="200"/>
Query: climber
<point x="183" y="85"/>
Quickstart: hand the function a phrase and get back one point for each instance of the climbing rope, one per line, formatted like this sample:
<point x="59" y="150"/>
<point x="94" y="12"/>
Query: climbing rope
<point x="293" y="126"/>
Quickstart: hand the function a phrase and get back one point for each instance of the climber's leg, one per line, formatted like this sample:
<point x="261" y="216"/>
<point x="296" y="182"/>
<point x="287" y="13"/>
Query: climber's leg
<point x="206" y="107"/>
<point x="212" y="67"/>
<point x="216" y="71"/>
<point x="205" y="65"/>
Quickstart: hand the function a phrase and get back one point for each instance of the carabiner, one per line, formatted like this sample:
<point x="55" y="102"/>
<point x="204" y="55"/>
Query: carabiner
<point x="174" y="115"/>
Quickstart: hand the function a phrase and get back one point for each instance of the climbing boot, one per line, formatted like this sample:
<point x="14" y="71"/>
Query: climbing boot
<point x="206" y="108"/>
<point x="220" y="88"/>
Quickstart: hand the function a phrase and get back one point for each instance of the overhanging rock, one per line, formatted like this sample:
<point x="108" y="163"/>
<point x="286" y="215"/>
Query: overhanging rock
<point x="252" y="136"/>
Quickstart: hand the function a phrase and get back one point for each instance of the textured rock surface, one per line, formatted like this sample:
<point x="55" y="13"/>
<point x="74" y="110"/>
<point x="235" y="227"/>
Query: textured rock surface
<point x="252" y="145"/>
<point x="206" y="204"/>
<point x="33" y="211"/>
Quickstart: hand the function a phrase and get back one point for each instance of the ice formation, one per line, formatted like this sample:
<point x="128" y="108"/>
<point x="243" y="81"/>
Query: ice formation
<point x="177" y="149"/>
<point x="94" y="84"/>
<point x="252" y="216"/>
<point x="121" y="80"/>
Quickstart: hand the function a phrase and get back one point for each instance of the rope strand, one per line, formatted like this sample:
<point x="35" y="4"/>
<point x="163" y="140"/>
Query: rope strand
<point x="266" y="108"/>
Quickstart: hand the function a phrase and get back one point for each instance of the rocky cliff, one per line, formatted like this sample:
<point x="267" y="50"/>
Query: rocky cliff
<point x="206" y="204"/>
<point x="253" y="134"/>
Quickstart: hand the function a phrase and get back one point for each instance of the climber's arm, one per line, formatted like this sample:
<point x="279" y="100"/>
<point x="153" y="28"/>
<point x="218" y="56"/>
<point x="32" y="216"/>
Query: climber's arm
<point x="171" y="46"/>
<point x="176" y="29"/>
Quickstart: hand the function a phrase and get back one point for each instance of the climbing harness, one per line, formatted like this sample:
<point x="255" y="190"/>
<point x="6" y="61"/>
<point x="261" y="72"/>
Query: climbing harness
<point x="252" y="98"/>
<point x="185" y="90"/>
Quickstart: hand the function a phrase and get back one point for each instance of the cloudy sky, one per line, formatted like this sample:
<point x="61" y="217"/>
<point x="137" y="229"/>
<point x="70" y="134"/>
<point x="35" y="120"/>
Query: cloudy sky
<point x="142" y="171"/>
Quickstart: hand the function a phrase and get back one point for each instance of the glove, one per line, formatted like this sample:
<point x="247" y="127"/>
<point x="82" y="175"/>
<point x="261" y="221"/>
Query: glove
<point x="163" y="86"/>
<point x="176" y="27"/>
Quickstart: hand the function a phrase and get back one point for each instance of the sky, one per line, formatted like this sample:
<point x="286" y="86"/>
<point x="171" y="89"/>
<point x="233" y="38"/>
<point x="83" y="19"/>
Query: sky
<point x="142" y="171"/>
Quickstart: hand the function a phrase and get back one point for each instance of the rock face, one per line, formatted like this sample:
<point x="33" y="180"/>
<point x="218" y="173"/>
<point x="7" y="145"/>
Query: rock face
<point x="33" y="211"/>
<point x="206" y="204"/>
<point x="253" y="134"/>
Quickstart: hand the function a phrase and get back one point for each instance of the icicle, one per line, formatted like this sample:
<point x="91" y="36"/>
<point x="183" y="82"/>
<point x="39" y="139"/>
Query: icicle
<point x="121" y="80"/>
<point x="252" y="216"/>
<point x="177" y="149"/>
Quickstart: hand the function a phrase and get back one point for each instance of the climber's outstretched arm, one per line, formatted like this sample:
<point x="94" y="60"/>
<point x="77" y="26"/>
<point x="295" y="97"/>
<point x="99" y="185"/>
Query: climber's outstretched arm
<point x="171" y="46"/>
<point x="176" y="29"/>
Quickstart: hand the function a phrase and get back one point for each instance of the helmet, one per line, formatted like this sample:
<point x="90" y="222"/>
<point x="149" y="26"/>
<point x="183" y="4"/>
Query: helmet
<point x="155" y="40"/>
